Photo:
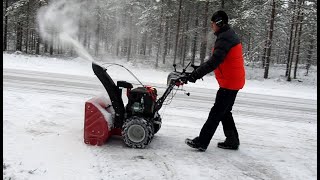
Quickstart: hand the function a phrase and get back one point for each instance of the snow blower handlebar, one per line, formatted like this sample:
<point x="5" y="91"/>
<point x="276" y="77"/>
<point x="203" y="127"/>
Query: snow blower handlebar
<point x="178" y="81"/>
<point x="175" y="78"/>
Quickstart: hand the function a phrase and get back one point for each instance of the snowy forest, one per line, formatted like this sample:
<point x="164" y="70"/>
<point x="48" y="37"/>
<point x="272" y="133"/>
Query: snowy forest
<point x="52" y="90"/>
<point x="173" y="31"/>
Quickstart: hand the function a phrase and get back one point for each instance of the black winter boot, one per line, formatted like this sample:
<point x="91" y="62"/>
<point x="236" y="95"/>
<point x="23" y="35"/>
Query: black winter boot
<point x="225" y="145"/>
<point x="195" y="143"/>
<point x="231" y="142"/>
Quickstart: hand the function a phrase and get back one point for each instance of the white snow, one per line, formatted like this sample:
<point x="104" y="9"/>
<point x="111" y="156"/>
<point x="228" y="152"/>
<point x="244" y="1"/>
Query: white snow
<point x="43" y="121"/>
<point x="101" y="101"/>
<point x="257" y="85"/>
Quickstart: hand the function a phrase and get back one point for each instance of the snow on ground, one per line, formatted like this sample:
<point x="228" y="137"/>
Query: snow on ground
<point x="276" y="85"/>
<point x="43" y="127"/>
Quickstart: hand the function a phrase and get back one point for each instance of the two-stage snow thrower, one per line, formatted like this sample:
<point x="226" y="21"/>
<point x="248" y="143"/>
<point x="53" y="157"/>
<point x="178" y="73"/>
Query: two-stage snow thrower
<point x="138" y="121"/>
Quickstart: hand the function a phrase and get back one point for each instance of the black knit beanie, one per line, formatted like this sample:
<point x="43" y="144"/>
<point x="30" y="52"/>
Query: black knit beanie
<point x="220" y="15"/>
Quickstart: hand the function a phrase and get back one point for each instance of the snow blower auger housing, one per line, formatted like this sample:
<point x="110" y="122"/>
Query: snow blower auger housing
<point x="138" y="121"/>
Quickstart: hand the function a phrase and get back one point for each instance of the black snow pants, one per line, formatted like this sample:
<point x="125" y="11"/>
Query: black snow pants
<point x="221" y="111"/>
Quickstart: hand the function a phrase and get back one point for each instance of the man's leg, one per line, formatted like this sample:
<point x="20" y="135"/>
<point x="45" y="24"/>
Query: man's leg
<point x="224" y="100"/>
<point x="229" y="128"/>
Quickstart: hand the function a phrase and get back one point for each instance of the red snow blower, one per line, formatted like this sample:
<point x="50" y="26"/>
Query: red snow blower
<point x="138" y="121"/>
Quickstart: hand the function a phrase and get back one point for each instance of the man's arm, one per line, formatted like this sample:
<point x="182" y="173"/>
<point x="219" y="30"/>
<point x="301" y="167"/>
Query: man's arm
<point x="222" y="47"/>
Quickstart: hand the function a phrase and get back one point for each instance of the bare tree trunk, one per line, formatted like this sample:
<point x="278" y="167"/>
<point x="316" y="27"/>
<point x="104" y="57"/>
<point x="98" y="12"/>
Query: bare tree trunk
<point x="38" y="44"/>
<point x="159" y="35"/>
<point x="19" y="37"/>
<point x="5" y="28"/>
<point x="27" y="28"/>
<point x="181" y="40"/>
<point x="203" y="46"/>
<point x="135" y="44"/>
<point x="130" y="35"/>
<point x="298" y="46"/>
<point x="97" y="35"/>
<point x="185" y="46"/>
<point x="34" y="40"/>
<point x="290" y="39"/>
<point x="51" y="49"/>
<point x="273" y="13"/>
<point x="166" y="40"/>
<point x="51" y="44"/>
<point x="177" y="34"/>
<point x="294" y="40"/>
<point x="310" y="51"/>
<point x="150" y="45"/>
<point x="58" y="46"/>
<point x="249" y="50"/>
<point x="31" y="40"/>
<point x="144" y="43"/>
<point x="45" y="46"/>
<point x="195" y="36"/>
<point x="38" y="37"/>
<point x="180" y="49"/>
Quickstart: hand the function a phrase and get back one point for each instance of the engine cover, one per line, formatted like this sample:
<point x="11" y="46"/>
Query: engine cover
<point x="141" y="101"/>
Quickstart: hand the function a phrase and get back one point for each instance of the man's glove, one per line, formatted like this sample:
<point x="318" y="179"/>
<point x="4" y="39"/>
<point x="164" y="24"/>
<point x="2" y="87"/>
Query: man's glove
<point x="193" y="77"/>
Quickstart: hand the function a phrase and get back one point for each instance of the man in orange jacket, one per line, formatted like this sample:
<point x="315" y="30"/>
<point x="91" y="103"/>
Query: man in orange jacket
<point x="228" y="66"/>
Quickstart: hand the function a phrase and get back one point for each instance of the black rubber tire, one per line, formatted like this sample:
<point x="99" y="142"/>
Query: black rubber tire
<point x="144" y="135"/>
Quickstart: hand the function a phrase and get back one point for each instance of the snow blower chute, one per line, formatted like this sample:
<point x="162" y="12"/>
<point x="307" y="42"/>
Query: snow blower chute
<point x="138" y="121"/>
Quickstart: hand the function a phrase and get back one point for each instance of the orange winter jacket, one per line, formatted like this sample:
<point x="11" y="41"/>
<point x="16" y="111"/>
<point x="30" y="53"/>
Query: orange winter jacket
<point x="230" y="74"/>
<point x="226" y="60"/>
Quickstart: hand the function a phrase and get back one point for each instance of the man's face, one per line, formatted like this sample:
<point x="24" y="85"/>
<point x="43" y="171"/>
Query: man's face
<point x="214" y="27"/>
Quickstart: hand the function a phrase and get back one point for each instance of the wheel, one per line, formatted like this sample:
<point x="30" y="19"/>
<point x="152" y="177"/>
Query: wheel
<point x="137" y="132"/>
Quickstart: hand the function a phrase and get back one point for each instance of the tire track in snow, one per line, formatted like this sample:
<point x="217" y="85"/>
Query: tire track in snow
<point x="168" y="171"/>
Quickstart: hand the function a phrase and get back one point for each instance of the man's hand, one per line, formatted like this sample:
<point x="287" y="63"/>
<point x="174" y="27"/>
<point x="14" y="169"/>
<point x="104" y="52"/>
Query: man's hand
<point x="193" y="77"/>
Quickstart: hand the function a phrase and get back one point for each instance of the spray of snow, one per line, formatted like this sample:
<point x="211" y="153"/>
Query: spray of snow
<point x="61" y="17"/>
<point x="77" y="46"/>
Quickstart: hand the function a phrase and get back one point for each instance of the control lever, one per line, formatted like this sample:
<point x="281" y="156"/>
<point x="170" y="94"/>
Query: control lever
<point x="184" y="69"/>
<point x="174" y="66"/>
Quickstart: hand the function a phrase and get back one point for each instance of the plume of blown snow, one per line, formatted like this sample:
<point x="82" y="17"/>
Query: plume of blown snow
<point x="59" y="19"/>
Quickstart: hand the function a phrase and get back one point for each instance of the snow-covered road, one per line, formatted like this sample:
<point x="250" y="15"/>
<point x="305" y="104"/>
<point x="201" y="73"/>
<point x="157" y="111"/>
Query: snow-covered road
<point x="43" y="135"/>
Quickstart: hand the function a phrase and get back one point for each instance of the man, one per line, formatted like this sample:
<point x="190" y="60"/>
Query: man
<point x="227" y="63"/>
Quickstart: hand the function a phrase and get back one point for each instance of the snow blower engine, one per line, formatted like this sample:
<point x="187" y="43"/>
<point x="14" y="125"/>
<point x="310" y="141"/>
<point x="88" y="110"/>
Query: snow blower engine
<point x="138" y="121"/>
